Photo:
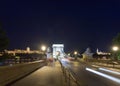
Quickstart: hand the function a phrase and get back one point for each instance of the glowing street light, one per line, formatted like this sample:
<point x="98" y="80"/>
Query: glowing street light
<point x="115" y="48"/>
<point x="68" y="54"/>
<point x="43" y="48"/>
<point x="75" y="52"/>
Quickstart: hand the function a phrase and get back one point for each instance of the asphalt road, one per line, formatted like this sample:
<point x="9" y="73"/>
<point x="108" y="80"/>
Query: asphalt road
<point x="88" y="78"/>
<point x="52" y="76"/>
<point x="46" y="76"/>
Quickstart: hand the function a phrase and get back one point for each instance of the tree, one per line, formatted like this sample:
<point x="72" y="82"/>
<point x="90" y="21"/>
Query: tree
<point x="116" y="42"/>
<point x="3" y="39"/>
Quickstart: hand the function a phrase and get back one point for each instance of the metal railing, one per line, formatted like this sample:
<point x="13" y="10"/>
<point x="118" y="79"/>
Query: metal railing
<point x="107" y="63"/>
<point x="71" y="78"/>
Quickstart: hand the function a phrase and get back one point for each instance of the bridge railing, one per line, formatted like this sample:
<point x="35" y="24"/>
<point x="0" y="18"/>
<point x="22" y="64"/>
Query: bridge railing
<point x="107" y="63"/>
<point x="71" y="78"/>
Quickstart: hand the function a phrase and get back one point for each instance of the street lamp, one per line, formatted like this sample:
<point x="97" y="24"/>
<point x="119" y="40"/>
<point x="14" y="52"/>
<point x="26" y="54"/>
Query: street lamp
<point x="68" y="54"/>
<point x="43" y="48"/>
<point x="115" y="48"/>
<point x="75" y="53"/>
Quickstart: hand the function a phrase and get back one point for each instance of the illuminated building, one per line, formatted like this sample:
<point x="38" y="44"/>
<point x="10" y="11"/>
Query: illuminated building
<point x="102" y="53"/>
<point x="28" y="51"/>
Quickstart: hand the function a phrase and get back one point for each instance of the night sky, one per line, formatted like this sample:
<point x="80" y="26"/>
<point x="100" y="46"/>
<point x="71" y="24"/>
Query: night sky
<point x="76" y="24"/>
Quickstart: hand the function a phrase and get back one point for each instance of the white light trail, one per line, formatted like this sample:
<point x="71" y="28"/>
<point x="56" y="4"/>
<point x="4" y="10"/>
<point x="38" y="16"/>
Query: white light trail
<point x="109" y="71"/>
<point x="104" y="75"/>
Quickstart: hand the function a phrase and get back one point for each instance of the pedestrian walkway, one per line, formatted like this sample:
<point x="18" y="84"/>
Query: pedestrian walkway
<point x="45" y="76"/>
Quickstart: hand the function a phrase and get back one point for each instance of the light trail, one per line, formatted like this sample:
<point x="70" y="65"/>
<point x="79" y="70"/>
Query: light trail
<point x="109" y="71"/>
<point x="104" y="75"/>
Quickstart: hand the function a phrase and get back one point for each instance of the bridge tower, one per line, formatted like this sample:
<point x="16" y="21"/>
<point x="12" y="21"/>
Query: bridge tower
<point x="58" y="51"/>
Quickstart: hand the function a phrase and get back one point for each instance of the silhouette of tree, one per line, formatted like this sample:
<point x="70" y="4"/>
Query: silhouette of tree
<point x="3" y="38"/>
<point x="116" y="40"/>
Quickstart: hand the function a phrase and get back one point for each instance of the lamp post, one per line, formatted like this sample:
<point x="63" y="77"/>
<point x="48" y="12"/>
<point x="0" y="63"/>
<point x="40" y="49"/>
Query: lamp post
<point x="75" y="53"/>
<point x="43" y="48"/>
<point x="115" y="49"/>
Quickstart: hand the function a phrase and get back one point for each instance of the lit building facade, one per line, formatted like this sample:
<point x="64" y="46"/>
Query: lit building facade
<point x="28" y="51"/>
<point x="102" y="53"/>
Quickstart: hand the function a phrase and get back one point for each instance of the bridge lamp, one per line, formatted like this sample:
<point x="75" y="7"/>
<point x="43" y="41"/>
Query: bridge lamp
<point x="75" y="52"/>
<point x="68" y="54"/>
<point x="43" y="48"/>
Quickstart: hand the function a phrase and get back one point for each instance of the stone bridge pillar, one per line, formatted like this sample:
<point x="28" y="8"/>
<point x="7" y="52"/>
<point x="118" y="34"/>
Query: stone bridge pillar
<point x="58" y="51"/>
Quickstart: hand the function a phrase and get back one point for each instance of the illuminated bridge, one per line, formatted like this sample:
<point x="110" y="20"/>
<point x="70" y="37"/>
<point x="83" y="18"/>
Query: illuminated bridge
<point x="63" y="72"/>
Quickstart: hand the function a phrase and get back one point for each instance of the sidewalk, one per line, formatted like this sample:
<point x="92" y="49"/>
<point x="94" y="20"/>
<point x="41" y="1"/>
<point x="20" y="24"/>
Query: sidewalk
<point x="45" y="76"/>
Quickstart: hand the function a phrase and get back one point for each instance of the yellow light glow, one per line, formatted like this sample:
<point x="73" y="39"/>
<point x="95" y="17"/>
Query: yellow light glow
<point x="115" y="48"/>
<point x="68" y="54"/>
<point x="75" y="52"/>
<point x="43" y="48"/>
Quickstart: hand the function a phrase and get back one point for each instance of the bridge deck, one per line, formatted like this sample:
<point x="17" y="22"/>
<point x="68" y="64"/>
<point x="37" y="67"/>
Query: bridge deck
<point x="45" y="76"/>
